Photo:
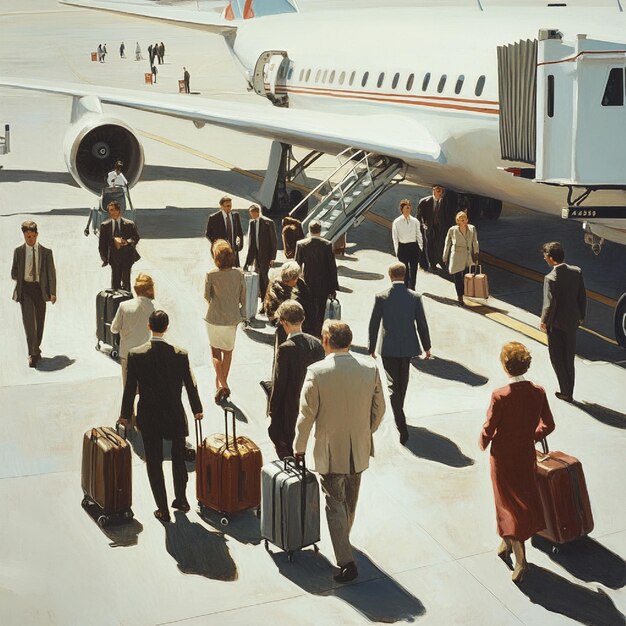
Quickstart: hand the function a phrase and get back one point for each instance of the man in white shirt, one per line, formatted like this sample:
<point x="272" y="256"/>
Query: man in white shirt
<point x="407" y="242"/>
<point x="115" y="178"/>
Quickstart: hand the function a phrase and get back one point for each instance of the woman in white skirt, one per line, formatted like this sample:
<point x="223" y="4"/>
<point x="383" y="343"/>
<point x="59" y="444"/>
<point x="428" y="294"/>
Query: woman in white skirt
<point x="461" y="248"/>
<point x="225" y="291"/>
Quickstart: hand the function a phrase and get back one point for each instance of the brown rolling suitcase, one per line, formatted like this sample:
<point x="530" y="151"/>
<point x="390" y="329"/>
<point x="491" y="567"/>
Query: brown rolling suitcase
<point x="564" y="496"/>
<point x="106" y="475"/>
<point x="476" y="284"/>
<point x="228" y="471"/>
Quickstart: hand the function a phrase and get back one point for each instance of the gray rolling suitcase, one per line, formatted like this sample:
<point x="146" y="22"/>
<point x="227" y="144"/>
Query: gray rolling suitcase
<point x="290" y="506"/>
<point x="107" y="303"/>
<point x="252" y="294"/>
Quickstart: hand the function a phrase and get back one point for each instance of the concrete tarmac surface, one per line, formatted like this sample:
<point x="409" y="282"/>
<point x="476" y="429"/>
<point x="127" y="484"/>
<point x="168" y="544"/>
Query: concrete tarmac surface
<point x="425" y="534"/>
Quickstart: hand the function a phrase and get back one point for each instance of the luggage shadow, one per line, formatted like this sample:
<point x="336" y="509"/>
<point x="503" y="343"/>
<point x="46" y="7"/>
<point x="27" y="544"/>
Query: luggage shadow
<point x="557" y="595"/>
<point x="197" y="550"/>
<point x="602" y="414"/>
<point x="240" y="416"/>
<point x="449" y="370"/>
<point x="349" y="272"/>
<point x="54" y="363"/>
<point x="373" y="594"/>
<point x="433" y="447"/>
<point x="587" y="560"/>
<point x="123" y="534"/>
<point x="242" y="527"/>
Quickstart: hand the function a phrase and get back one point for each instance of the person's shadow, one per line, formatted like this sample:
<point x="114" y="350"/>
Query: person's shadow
<point x="580" y="604"/>
<point x="587" y="560"/>
<point x="197" y="550"/>
<point x="54" y="363"/>
<point x="373" y="594"/>
<point x="449" y="370"/>
<point x="242" y="526"/>
<point x="433" y="447"/>
<point x="350" y="272"/>
<point x="602" y="414"/>
<point x="240" y="416"/>
<point x="259" y="336"/>
<point x="136" y="443"/>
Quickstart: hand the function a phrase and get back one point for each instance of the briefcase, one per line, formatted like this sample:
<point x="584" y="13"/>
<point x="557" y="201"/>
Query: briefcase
<point x="228" y="470"/>
<point x="333" y="309"/>
<point x="290" y="505"/>
<point x="252" y="294"/>
<point x="563" y="491"/>
<point x="106" y="475"/>
<point x="475" y="282"/>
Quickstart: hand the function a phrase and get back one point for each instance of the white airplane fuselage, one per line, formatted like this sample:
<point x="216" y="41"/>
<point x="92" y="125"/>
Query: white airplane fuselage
<point x="451" y="42"/>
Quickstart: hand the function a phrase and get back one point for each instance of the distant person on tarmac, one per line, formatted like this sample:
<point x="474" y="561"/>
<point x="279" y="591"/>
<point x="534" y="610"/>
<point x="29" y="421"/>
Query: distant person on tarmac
<point x="161" y="53"/>
<point x="186" y="79"/>
<point x="100" y="54"/>
<point x="137" y="52"/>
<point x="154" y="74"/>
<point x="122" y="48"/>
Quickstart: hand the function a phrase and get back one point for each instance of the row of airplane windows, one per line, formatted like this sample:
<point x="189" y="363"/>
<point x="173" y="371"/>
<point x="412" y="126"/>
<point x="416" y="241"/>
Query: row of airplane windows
<point x="328" y="77"/>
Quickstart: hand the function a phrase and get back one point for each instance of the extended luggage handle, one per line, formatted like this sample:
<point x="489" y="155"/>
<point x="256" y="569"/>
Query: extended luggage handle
<point x="295" y="463"/>
<point x="199" y="439"/>
<point x="227" y="410"/>
<point x="475" y="266"/>
<point x="544" y="447"/>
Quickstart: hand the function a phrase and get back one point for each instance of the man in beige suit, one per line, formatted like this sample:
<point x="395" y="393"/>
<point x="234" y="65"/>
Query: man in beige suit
<point x="343" y="397"/>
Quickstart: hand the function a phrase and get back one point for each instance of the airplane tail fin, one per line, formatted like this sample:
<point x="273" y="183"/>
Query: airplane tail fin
<point x="249" y="9"/>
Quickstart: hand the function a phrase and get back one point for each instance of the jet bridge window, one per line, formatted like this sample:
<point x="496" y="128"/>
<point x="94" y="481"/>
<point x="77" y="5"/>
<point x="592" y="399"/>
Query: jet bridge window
<point x="364" y="80"/>
<point x="426" y="81"/>
<point x="614" y="90"/>
<point x="442" y="83"/>
<point x="480" y="85"/>
<point x="394" y="82"/>
<point x="409" y="82"/>
<point x="342" y="78"/>
<point x="459" y="84"/>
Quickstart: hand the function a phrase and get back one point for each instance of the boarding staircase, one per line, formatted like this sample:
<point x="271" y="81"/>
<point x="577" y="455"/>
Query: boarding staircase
<point x="363" y="177"/>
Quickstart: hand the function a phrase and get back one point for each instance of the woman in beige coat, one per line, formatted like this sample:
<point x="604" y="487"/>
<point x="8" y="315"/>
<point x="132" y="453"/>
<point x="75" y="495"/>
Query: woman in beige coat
<point x="225" y="292"/>
<point x="461" y="248"/>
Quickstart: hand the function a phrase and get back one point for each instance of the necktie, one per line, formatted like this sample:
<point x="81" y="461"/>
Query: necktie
<point x="117" y="229"/>
<point x="436" y="217"/>
<point x="33" y="267"/>
<point x="229" y="231"/>
<point x="253" y="242"/>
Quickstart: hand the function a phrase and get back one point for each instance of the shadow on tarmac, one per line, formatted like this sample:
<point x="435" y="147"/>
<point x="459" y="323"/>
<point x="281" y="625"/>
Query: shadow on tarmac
<point x="433" y="447"/>
<point x="373" y="594"/>
<point x="449" y="370"/>
<point x="242" y="527"/>
<point x="602" y="414"/>
<point x="136" y="443"/>
<point x="197" y="550"/>
<point x="349" y="272"/>
<point x="54" y="363"/>
<point x="580" y="604"/>
<point x="587" y="560"/>
<point x="122" y="534"/>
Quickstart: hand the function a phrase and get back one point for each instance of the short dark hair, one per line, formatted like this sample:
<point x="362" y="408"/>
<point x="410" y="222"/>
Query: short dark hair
<point x="290" y="311"/>
<point x="29" y="226"/>
<point x="515" y="358"/>
<point x="397" y="271"/>
<point x="554" y="250"/>
<point x="315" y="227"/>
<point x="158" y="321"/>
<point x="225" y="199"/>
<point x="114" y="203"/>
<point x="404" y="202"/>
<point x="338" y="333"/>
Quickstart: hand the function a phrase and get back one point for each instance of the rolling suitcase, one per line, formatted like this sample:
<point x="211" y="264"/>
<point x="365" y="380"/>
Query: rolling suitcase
<point x="106" y="475"/>
<point x="252" y="294"/>
<point x="564" y="496"/>
<point x="333" y="309"/>
<point x="228" y="471"/>
<point x="290" y="506"/>
<point x="475" y="283"/>
<point x="107" y="303"/>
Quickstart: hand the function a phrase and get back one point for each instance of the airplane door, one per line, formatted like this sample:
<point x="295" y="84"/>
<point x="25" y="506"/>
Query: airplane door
<point x="270" y="76"/>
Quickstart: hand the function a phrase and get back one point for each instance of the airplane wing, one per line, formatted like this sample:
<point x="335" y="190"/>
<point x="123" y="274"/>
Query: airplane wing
<point x="387" y="134"/>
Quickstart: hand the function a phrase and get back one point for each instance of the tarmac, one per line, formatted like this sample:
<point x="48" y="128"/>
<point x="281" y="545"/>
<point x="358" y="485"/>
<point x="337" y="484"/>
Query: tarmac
<point x="424" y="534"/>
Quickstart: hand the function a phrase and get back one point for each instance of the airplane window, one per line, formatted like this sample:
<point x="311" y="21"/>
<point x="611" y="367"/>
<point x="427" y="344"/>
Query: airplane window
<point x="551" y="95"/>
<point x="409" y="82"/>
<point x="301" y="75"/>
<point x="480" y="85"/>
<point x="332" y="77"/>
<point x="381" y="79"/>
<point x="342" y="77"/>
<point x="459" y="84"/>
<point x="308" y="75"/>
<point x="352" y="76"/>
<point x="614" y="90"/>
<point x="364" y="80"/>
<point x="442" y="83"/>
<point x="324" y="76"/>
<point x="317" y="76"/>
<point x="426" y="81"/>
<point x="394" y="82"/>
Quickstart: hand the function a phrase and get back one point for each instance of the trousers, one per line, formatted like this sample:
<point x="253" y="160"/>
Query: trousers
<point x="397" y="370"/>
<point x="408" y="253"/>
<point x="562" y="350"/>
<point x="154" y="464"/>
<point x="33" y="316"/>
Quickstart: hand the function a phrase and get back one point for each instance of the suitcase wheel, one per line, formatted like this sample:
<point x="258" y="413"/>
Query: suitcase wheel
<point x="86" y="231"/>
<point x="224" y="521"/>
<point x="190" y="455"/>
<point x="114" y="354"/>
<point x="128" y="514"/>
<point x="102" y="521"/>
<point x="85" y="502"/>
<point x="290" y="556"/>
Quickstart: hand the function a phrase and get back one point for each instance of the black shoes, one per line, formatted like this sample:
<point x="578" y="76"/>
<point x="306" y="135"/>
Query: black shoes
<point x="348" y="572"/>
<point x="33" y="359"/>
<point x="163" y="516"/>
<point x="181" y="505"/>
<point x="562" y="396"/>
<point x="404" y="437"/>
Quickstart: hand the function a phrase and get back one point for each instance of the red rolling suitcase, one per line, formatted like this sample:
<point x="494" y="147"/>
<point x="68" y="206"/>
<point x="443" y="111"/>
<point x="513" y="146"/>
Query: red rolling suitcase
<point x="564" y="496"/>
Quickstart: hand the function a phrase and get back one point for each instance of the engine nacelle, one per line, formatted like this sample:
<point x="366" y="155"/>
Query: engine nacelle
<point x="94" y="142"/>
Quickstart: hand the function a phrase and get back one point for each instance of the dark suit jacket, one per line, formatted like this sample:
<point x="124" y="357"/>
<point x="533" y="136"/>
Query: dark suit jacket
<point x="292" y="358"/>
<point x="159" y="370"/>
<point x="46" y="274"/>
<point x="401" y="312"/>
<point x="278" y="292"/>
<point x="447" y="211"/>
<point x="564" y="298"/>
<point x="216" y="229"/>
<point x="267" y="244"/>
<point x="315" y="256"/>
<point x="108" y="252"/>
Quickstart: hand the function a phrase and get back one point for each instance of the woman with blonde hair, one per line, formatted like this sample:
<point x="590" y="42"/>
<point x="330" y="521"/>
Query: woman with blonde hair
<point x="225" y="293"/>
<point x="461" y="247"/>
<point x="518" y="416"/>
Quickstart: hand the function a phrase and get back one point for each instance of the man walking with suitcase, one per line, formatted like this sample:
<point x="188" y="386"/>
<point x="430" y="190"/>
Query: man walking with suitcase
<point x="342" y="396"/>
<point x="158" y="371"/>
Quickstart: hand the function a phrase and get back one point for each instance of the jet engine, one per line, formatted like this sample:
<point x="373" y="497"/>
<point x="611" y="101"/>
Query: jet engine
<point x="94" y="142"/>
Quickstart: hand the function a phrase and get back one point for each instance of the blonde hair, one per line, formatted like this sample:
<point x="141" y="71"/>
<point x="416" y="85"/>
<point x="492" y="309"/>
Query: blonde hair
<point x="515" y="358"/>
<point x="223" y="254"/>
<point x="458" y="216"/>
<point x="144" y="286"/>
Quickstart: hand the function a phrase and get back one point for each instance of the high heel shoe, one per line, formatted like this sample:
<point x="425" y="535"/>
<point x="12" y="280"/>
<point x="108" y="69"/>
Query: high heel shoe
<point x="504" y="552"/>
<point x="219" y="395"/>
<point x="521" y="566"/>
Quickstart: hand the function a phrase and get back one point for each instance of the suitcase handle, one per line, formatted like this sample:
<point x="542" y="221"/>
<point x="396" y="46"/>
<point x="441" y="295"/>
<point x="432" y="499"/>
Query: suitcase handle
<point x="199" y="438"/>
<point x="475" y="266"/>
<point x="295" y="463"/>
<point x="95" y="435"/>
<point x="544" y="445"/>
<point x="227" y="410"/>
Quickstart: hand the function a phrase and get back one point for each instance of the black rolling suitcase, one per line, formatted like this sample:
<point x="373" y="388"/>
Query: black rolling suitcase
<point x="107" y="303"/>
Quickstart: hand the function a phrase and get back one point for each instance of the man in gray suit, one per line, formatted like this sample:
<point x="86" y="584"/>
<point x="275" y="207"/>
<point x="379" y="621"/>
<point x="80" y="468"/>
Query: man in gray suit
<point x="564" y="308"/>
<point x="342" y="396"/>
<point x="36" y="283"/>
<point x="401" y="312"/>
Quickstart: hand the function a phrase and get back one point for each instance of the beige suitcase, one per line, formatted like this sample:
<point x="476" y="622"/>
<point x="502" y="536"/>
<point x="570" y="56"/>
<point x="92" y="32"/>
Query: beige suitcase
<point x="476" y="283"/>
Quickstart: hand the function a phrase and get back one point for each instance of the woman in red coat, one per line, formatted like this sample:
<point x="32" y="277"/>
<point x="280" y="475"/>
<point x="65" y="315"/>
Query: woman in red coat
<point x="518" y="416"/>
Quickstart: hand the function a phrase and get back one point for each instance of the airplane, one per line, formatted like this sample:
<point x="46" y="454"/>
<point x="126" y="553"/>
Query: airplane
<point x="520" y="104"/>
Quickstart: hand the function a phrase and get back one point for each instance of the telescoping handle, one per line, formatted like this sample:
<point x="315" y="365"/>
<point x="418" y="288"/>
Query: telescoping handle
<point x="227" y="410"/>
<point x="476" y="268"/>
<point x="199" y="438"/>
<point x="296" y="464"/>
<point x="544" y="445"/>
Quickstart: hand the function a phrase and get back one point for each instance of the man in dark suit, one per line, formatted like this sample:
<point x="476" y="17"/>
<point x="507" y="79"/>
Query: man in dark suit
<point x="401" y="312"/>
<point x="35" y="284"/>
<point x="262" y="248"/>
<point x="226" y="225"/>
<point x="158" y="371"/>
<point x="117" y="246"/>
<point x="564" y="308"/>
<point x="437" y="213"/>
<point x="319" y="269"/>
<point x="292" y="358"/>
